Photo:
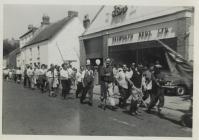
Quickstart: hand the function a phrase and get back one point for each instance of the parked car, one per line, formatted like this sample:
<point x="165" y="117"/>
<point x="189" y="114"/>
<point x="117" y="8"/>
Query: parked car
<point x="177" y="84"/>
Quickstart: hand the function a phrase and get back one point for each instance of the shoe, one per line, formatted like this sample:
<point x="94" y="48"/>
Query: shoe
<point x="148" y="111"/>
<point x="114" y="107"/>
<point x="55" y="95"/>
<point x="81" y="101"/>
<point x="100" y="105"/>
<point x="159" y="110"/>
<point x="101" y="99"/>
<point x="90" y="104"/>
<point x="137" y="112"/>
<point x="133" y="113"/>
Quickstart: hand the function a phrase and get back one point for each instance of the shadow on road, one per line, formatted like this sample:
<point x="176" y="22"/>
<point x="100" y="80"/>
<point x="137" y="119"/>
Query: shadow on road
<point x="184" y="121"/>
<point x="136" y="116"/>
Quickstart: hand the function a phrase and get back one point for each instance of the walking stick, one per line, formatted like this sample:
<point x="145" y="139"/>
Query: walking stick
<point x="60" y="52"/>
<point x="142" y="93"/>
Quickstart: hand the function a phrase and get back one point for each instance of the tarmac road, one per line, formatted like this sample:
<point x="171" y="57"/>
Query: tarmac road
<point x="28" y="111"/>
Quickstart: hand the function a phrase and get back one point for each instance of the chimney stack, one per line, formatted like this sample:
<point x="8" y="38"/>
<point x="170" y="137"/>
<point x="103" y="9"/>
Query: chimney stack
<point x="86" y="21"/>
<point x="30" y="27"/>
<point x="45" y="20"/>
<point x="72" y="14"/>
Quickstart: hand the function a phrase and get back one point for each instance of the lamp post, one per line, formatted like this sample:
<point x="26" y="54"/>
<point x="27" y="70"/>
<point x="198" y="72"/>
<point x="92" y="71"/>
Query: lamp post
<point x="88" y="61"/>
<point x="97" y="61"/>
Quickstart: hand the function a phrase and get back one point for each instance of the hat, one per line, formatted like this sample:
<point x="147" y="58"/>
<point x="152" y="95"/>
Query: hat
<point x="120" y="69"/>
<point x="64" y="64"/>
<point x="158" y="66"/>
<point x="88" y="62"/>
<point x="151" y="65"/>
<point x="108" y="59"/>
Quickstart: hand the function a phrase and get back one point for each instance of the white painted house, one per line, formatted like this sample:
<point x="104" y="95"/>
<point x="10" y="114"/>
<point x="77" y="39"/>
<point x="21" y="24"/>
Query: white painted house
<point x="53" y="42"/>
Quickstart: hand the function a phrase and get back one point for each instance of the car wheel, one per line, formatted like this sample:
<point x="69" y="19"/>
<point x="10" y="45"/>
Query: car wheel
<point x="180" y="90"/>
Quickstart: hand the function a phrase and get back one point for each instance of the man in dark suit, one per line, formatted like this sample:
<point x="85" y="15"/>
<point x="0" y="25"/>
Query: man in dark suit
<point x="107" y="79"/>
<point x="157" y="90"/>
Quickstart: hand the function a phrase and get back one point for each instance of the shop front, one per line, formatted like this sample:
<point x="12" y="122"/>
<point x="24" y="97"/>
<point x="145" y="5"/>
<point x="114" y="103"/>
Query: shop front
<point x="132" y="35"/>
<point x="140" y="45"/>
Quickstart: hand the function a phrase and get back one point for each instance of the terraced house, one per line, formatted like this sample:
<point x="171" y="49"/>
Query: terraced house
<point x="52" y="43"/>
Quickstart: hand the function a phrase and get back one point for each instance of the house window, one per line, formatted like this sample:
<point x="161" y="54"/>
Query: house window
<point x="30" y="53"/>
<point x="38" y="50"/>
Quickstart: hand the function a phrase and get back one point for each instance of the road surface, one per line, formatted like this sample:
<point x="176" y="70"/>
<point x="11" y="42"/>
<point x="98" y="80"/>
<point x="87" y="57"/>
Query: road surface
<point x="28" y="111"/>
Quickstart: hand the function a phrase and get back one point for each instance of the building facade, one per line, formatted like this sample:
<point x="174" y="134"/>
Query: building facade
<point x="52" y="43"/>
<point x="128" y="34"/>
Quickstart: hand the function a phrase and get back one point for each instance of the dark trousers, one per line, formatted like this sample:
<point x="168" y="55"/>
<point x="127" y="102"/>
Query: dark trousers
<point x="103" y="90"/>
<point x="65" y="87"/>
<point x="6" y="76"/>
<point x="155" y="97"/>
<point x="87" y="89"/>
<point x="134" y="106"/>
<point x="79" y="88"/>
<point x="42" y="83"/>
<point x="19" y="77"/>
<point x="15" y="77"/>
<point x="147" y="94"/>
<point x="124" y="95"/>
<point x="27" y="80"/>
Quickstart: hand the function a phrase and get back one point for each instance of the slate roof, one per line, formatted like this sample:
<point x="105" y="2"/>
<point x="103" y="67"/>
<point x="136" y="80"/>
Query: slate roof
<point x="49" y="31"/>
<point x="32" y="30"/>
<point x="15" y="51"/>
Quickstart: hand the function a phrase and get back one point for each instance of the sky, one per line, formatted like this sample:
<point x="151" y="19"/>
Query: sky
<point x="18" y="17"/>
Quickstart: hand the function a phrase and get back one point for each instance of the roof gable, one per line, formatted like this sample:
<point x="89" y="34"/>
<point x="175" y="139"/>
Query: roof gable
<point x="32" y="30"/>
<point x="49" y="31"/>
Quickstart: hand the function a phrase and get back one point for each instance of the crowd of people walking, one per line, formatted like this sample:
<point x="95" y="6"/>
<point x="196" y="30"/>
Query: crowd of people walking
<point x="135" y="83"/>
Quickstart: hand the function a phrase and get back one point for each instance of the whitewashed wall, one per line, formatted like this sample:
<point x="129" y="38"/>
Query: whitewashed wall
<point x="68" y="42"/>
<point x="26" y="55"/>
<point x="18" y="60"/>
<point x="25" y="39"/>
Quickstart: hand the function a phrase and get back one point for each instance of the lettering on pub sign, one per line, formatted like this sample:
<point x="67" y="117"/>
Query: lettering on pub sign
<point x="119" y="10"/>
<point x="140" y="36"/>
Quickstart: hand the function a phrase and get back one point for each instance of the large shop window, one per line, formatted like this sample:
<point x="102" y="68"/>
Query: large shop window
<point x="143" y="52"/>
<point x="93" y="47"/>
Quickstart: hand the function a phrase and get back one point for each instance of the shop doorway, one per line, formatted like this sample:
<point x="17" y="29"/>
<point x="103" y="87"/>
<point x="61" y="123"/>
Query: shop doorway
<point x="141" y="53"/>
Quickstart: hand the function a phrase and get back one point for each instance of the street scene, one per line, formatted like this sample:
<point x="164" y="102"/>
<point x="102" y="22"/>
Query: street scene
<point x="30" y="112"/>
<point x="98" y="70"/>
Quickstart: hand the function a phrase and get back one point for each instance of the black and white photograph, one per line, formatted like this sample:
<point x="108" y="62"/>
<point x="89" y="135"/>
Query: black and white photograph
<point x="98" y="70"/>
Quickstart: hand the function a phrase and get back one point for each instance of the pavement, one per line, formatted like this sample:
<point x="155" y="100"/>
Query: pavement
<point x="28" y="111"/>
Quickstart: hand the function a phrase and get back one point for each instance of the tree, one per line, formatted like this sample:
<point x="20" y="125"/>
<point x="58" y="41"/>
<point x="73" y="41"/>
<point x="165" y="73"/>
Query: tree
<point x="9" y="46"/>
